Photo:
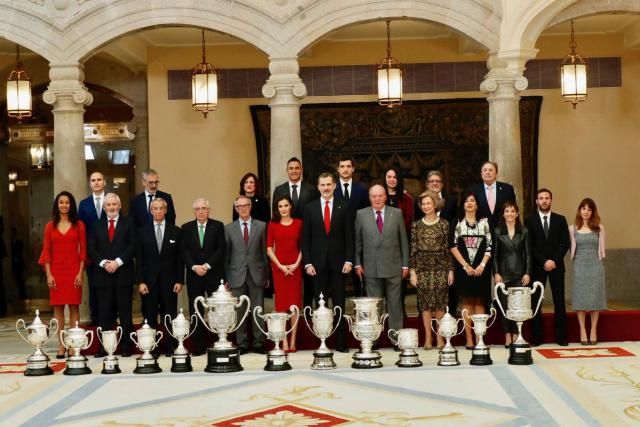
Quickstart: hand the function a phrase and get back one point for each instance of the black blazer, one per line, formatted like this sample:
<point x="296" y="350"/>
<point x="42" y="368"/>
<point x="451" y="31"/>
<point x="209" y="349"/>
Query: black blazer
<point x="449" y="211"/>
<point x="504" y="192"/>
<point x="212" y="253"/>
<point x="512" y="257"/>
<point x="306" y="193"/>
<point x="358" y="195"/>
<point x="260" y="209"/>
<point x="122" y="246"/>
<point x="164" y="268"/>
<point x="554" y="247"/>
<point x="140" y="214"/>
<point x="327" y="251"/>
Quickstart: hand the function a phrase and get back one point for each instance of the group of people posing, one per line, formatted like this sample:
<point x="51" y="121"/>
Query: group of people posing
<point x="313" y="240"/>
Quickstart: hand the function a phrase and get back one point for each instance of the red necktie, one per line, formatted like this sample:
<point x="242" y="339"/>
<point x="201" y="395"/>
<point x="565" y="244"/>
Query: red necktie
<point x="245" y="234"/>
<point x="112" y="229"/>
<point x="379" y="222"/>
<point x="327" y="217"/>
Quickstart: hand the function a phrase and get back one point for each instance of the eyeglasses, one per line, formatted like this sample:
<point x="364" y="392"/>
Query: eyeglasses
<point x="435" y="181"/>
<point x="243" y="206"/>
<point x="201" y="208"/>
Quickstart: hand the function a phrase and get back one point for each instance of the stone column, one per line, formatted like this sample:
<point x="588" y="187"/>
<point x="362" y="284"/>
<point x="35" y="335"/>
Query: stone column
<point x="285" y="89"/>
<point x="140" y="123"/>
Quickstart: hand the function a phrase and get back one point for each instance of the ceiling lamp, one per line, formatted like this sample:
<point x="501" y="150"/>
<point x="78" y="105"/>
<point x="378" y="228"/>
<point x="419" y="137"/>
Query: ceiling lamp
<point x="389" y="77"/>
<point x="204" y="85"/>
<point x="41" y="156"/>
<point x="573" y="75"/>
<point x="18" y="91"/>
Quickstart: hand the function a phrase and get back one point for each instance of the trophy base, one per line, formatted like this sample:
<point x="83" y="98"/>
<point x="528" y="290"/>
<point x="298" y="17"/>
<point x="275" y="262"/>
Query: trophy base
<point x="77" y="371"/>
<point x="366" y="361"/>
<point x="408" y="360"/>
<point x="448" y="358"/>
<point x="181" y="363"/>
<point x="110" y="366"/>
<point x="223" y="360"/>
<point x="277" y="362"/>
<point x="520" y="354"/>
<point x="480" y="357"/>
<point x="147" y="366"/>
<point x="323" y="361"/>
<point x="38" y="371"/>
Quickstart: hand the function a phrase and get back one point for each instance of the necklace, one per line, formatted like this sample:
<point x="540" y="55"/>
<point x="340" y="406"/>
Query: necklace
<point x="471" y="226"/>
<point x="427" y="222"/>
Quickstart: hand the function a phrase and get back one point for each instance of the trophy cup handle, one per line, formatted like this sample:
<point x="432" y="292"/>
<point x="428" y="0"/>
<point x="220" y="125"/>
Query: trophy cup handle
<point x="131" y="336"/>
<point x="492" y="312"/>
<point x="99" y="334"/>
<point x="337" y="307"/>
<point x="23" y="327"/>
<point x="349" y="321"/>
<point x="293" y="308"/>
<point x="501" y="286"/>
<point x="258" y="312"/>
<point x="537" y="284"/>
<point x="119" y="328"/>
<point x="166" y="325"/>
<point x="246" y="312"/>
<point x="158" y="340"/>
<point x="465" y="314"/>
<point x="436" y="321"/>
<point x="62" y="334"/>
<point x="304" y="314"/>
<point x="197" y="310"/>
<point x="194" y="319"/>
<point x="383" y="318"/>
<point x="393" y="332"/>
<point x="461" y="329"/>
<point x="53" y="322"/>
<point x="90" y="340"/>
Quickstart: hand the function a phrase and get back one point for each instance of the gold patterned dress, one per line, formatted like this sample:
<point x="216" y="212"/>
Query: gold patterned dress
<point x="432" y="261"/>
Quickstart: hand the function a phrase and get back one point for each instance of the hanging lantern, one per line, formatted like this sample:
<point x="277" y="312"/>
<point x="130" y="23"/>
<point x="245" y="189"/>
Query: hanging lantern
<point x="18" y="91"/>
<point x="573" y="75"/>
<point x="204" y="85"/>
<point x="389" y="77"/>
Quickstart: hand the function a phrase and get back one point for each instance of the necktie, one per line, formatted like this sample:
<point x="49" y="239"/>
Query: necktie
<point x="149" y="204"/>
<point x="159" y="236"/>
<point x="112" y="229"/>
<point x="98" y="206"/>
<point x="294" y="194"/>
<point x="545" y="226"/>
<point x="379" y="222"/>
<point x="245" y="233"/>
<point x="491" y="198"/>
<point x="201" y="233"/>
<point x="327" y="217"/>
<point x="346" y="190"/>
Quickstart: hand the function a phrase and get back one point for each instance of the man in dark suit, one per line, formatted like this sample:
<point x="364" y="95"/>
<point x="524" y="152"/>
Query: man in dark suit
<point x="347" y="189"/>
<point x="549" y="242"/>
<point x="247" y="268"/>
<point x="203" y="249"/>
<point x="89" y="211"/>
<point x="328" y="247"/>
<point x="491" y="194"/>
<point x="112" y="248"/>
<point x="160" y="270"/>
<point x="139" y="207"/>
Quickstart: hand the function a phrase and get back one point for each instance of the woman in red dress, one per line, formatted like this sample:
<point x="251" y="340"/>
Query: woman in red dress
<point x="283" y="247"/>
<point x="63" y="255"/>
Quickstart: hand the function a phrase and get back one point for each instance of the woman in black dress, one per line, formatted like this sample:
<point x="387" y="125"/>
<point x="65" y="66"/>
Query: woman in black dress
<point x="250" y="187"/>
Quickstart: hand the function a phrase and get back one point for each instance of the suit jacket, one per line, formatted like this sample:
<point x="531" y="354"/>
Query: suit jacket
<point x="212" y="252"/>
<point x="381" y="255"/>
<point x="554" y="247"/>
<point x="358" y="195"/>
<point x="327" y="251"/>
<point x="138" y="209"/>
<point x="512" y="257"/>
<point x="242" y="259"/>
<point x="161" y="268"/>
<point x="87" y="213"/>
<point x="122" y="246"/>
<point x="504" y="192"/>
<point x="448" y="211"/>
<point x="306" y="193"/>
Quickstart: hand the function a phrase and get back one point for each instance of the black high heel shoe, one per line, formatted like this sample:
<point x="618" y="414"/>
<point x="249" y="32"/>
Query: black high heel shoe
<point x="62" y="356"/>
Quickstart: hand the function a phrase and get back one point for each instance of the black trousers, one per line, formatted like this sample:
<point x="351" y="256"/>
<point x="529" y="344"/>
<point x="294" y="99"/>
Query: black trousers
<point x="93" y="292"/>
<point x="115" y="302"/>
<point x="331" y="283"/>
<point x="199" y="337"/>
<point x="161" y="300"/>
<point x="556" y="280"/>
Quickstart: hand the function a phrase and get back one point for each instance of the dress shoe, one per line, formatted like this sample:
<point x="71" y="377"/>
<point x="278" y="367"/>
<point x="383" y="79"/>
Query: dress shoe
<point x="342" y="349"/>
<point x="536" y="343"/>
<point x="198" y="352"/>
<point x="125" y="353"/>
<point x="562" y="343"/>
<point x="100" y="353"/>
<point x="243" y="350"/>
<point x="585" y="342"/>
<point x="469" y="347"/>
<point x="61" y="356"/>
<point x="593" y="342"/>
<point x="396" y="348"/>
<point x="168" y="353"/>
<point x="259" y="350"/>
<point x="374" y="347"/>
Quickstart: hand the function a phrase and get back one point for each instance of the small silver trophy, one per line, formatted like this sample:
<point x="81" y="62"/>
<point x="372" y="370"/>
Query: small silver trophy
<point x="37" y="336"/>
<point x="407" y="340"/>
<point x="519" y="310"/>
<point x="110" y="340"/>
<point x="366" y="327"/>
<point x="180" y="359"/>
<point x="147" y="342"/>
<point x="480" y="354"/>
<point x="448" y="328"/>
<point x="222" y="319"/>
<point x="76" y="339"/>
<point x="277" y="359"/>
<point x="323" y="329"/>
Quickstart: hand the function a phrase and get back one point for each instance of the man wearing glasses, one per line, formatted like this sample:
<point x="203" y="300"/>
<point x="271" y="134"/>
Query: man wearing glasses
<point x="140" y="210"/>
<point x="448" y="202"/>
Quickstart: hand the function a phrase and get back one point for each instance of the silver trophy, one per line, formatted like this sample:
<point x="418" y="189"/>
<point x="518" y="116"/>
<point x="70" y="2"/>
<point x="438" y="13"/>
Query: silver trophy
<point x="37" y="335"/>
<point x="448" y="328"/>
<point x="277" y="359"/>
<point x="480" y="354"/>
<point x="181" y="359"/>
<point x="519" y="310"/>
<point x="147" y="342"/>
<point x="407" y="340"/>
<point x="322" y="328"/>
<point x="110" y="340"/>
<point x="76" y="339"/>
<point x="221" y="319"/>
<point x="366" y="327"/>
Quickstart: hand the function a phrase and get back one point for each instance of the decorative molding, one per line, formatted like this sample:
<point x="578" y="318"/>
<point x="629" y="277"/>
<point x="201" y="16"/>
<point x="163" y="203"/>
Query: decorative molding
<point x="25" y="135"/>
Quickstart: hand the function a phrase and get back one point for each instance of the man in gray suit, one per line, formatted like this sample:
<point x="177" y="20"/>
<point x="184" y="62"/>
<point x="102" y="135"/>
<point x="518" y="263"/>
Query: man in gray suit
<point x="246" y="267"/>
<point x="382" y="252"/>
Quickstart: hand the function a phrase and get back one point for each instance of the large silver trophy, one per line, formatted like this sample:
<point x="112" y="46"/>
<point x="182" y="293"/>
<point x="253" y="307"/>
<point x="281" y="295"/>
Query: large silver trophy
<point x="37" y="336"/>
<point x="147" y="342"/>
<point x="110" y="340"/>
<point x="180" y="359"/>
<point x="366" y="326"/>
<point x="221" y="319"/>
<point x="519" y="310"/>
<point x="407" y="340"/>
<point x="323" y="328"/>
<point x="277" y="359"/>
<point x="480" y="354"/>
<point x="76" y="339"/>
<point x="448" y="328"/>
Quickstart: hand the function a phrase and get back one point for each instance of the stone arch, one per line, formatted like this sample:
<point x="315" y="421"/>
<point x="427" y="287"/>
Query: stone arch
<point x="32" y="31"/>
<point x="593" y="7"/>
